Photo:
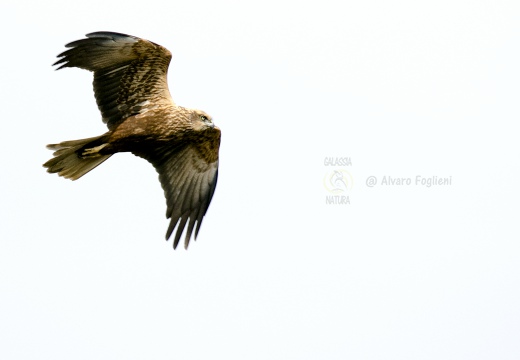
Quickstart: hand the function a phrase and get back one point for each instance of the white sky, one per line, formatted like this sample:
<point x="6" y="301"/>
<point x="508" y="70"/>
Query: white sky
<point x="402" y="88"/>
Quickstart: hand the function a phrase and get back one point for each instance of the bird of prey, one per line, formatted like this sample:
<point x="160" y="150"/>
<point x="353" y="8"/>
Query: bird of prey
<point x="131" y="92"/>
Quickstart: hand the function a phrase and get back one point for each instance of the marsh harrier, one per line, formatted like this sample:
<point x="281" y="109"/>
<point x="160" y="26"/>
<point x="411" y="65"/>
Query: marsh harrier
<point x="131" y="91"/>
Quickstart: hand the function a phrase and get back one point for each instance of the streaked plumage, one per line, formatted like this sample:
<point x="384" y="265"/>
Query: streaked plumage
<point x="131" y="91"/>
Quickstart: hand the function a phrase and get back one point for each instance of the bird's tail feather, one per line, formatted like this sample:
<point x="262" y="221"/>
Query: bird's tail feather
<point x="73" y="159"/>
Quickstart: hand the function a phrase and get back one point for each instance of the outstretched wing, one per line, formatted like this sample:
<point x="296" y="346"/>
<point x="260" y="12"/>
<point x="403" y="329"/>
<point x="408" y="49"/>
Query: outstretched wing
<point x="129" y="73"/>
<point x="188" y="175"/>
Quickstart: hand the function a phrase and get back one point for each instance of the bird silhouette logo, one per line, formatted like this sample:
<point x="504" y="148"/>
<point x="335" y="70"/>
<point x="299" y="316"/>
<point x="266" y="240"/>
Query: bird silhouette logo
<point x="338" y="181"/>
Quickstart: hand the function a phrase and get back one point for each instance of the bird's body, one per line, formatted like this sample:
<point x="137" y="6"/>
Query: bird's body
<point x="132" y="94"/>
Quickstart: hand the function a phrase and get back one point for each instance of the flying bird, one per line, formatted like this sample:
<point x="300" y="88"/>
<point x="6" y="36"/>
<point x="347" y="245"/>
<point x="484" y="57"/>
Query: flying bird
<point x="131" y="92"/>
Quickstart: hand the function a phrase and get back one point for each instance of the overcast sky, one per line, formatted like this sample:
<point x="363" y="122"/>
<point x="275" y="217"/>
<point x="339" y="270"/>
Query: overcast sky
<point x="367" y="204"/>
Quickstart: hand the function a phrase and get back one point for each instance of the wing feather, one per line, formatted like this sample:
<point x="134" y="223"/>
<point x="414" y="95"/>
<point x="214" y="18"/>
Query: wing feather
<point x="188" y="175"/>
<point x="128" y="72"/>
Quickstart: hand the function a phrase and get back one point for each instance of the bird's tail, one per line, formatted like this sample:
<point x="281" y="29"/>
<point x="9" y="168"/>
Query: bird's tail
<point x="73" y="159"/>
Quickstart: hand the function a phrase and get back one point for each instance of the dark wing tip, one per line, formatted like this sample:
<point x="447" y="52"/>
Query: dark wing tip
<point x="60" y="61"/>
<point x="179" y="222"/>
<point x="108" y="35"/>
<point x="79" y="49"/>
<point x="180" y="229"/>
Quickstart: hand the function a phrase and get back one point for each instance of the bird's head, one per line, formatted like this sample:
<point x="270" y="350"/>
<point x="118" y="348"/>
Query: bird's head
<point x="201" y="121"/>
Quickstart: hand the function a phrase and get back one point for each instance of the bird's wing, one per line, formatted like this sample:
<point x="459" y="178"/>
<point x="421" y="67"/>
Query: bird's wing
<point x="188" y="174"/>
<point x="129" y="73"/>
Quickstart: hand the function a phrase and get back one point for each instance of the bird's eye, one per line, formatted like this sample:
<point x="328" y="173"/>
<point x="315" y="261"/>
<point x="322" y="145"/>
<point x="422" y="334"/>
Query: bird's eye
<point x="204" y="118"/>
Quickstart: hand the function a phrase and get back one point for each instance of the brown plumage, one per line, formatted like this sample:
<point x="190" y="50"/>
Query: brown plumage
<point x="131" y="91"/>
